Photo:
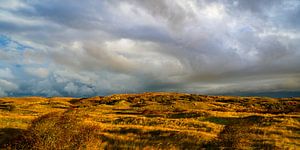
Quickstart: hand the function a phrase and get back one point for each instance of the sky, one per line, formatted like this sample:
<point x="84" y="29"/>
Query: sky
<point x="100" y="47"/>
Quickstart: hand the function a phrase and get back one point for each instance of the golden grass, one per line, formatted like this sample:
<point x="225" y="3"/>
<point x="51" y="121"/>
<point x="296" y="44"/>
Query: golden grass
<point x="150" y="121"/>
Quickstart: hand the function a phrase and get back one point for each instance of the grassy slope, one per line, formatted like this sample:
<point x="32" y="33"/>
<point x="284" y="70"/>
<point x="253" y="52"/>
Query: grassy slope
<point x="150" y="120"/>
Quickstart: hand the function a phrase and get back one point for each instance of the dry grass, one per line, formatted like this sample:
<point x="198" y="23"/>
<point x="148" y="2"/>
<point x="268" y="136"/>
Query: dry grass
<point x="57" y="131"/>
<point x="150" y="121"/>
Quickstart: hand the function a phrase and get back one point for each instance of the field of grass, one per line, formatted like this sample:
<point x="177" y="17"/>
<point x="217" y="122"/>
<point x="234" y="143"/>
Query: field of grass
<point x="150" y="121"/>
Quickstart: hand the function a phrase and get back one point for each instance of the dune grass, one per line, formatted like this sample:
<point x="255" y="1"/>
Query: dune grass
<point x="150" y="121"/>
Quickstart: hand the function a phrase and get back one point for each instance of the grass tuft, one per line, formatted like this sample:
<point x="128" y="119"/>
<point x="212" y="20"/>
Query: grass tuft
<point x="57" y="131"/>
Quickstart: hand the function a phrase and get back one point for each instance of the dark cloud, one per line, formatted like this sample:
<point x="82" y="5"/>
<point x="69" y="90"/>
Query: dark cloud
<point x="76" y="48"/>
<point x="256" y="6"/>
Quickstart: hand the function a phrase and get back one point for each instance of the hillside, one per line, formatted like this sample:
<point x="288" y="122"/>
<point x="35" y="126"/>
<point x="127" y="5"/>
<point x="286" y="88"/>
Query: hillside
<point x="150" y="121"/>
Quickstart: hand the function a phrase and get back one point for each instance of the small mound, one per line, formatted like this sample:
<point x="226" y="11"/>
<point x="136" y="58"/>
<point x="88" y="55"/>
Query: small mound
<point x="58" y="131"/>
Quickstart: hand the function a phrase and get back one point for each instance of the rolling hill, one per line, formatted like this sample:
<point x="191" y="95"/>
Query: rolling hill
<point x="150" y="121"/>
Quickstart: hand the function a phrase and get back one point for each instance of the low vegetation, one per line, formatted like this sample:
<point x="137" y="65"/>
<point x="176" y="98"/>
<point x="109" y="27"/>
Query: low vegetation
<point x="150" y="121"/>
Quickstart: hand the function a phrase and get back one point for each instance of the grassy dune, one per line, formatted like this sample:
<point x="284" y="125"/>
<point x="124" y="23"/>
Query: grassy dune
<point x="150" y="121"/>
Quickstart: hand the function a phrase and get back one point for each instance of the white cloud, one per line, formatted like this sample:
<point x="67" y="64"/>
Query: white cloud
<point x="6" y="73"/>
<point x="37" y="72"/>
<point x="119" y="46"/>
<point x="7" y="86"/>
<point x="12" y="4"/>
<point x="214" y="11"/>
<point x="71" y="88"/>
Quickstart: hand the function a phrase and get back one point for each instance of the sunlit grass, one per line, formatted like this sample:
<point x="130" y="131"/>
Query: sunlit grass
<point x="150" y="121"/>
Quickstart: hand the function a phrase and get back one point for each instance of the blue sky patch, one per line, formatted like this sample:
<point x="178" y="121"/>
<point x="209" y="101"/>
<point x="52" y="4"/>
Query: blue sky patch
<point x="7" y="42"/>
<point x="4" y="41"/>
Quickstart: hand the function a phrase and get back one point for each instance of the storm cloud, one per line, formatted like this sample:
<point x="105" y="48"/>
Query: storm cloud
<point x="75" y="48"/>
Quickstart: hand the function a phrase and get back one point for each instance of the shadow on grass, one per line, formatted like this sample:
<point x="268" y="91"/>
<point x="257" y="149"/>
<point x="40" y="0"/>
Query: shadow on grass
<point x="8" y="134"/>
<point x="9" y="106"/>
<point x="235" y="134"/>
<point x="235" y="121"/>
<point x="262" y="144"/>
<point x="157" y="139"/>
<point x="187" y="115"/>
<point x="146" y="112"/>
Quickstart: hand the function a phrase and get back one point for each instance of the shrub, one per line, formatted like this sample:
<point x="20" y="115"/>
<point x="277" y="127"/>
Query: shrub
<point x="58" y="131"/>
<point x="7" y="106"/>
